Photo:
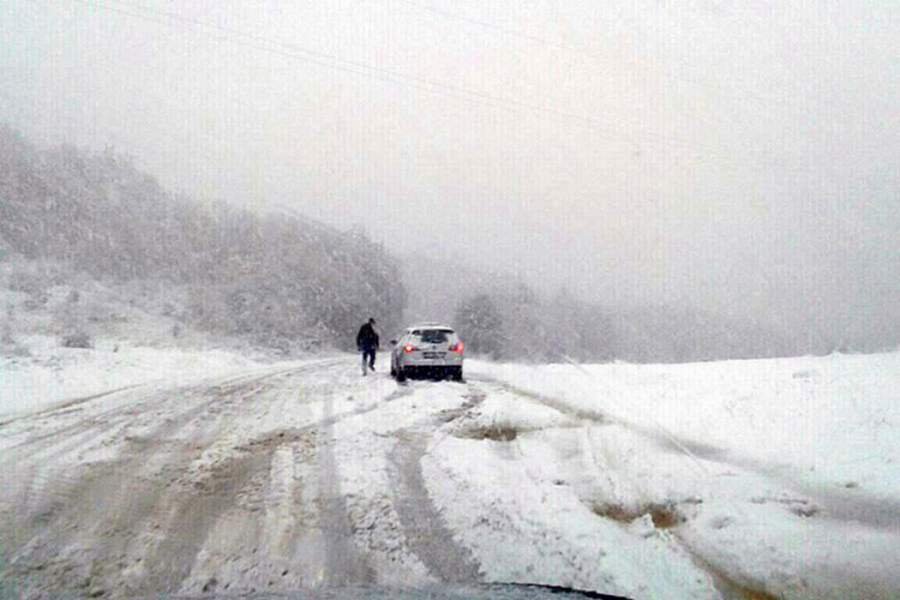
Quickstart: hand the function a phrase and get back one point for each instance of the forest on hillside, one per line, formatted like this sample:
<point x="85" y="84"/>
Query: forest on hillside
<point x="503" y="317"/>
<point x="286" y="282"/>
<point x="274" y="279"/>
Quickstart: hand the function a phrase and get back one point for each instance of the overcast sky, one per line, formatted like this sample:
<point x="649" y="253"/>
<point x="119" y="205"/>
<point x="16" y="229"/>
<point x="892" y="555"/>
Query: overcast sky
<point x="740" y="156"/>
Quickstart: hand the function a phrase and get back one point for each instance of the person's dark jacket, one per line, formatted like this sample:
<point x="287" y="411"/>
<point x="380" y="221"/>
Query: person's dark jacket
<point x="367" y="339"/>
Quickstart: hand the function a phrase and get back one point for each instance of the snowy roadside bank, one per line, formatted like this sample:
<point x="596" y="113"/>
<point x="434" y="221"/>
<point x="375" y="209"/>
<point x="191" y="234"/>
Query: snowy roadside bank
<point x="836" y="417"/>
<point x="776" y="478"/>
<point x="53" y="375"/>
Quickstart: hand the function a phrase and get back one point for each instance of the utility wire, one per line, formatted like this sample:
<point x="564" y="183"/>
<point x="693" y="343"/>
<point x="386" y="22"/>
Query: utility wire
<point x="333" y="62"/>
<point x="762" y="100"/>
<point x="497" y="28"/>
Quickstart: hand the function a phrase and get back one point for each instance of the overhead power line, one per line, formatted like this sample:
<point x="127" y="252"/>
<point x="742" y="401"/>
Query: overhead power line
<point x="496" y="28"/>
<point x="584" y="53"/>
<point x="333" y="62"/>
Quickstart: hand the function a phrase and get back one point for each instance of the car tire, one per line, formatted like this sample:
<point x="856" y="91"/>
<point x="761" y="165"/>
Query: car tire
<point x="401" y="375"/>
<point x="456" y="373"/>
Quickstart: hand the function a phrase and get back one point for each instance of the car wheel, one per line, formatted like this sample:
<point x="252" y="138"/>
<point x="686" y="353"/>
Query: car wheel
<point x="401" y="375"/>
<point x="456" y="373"/>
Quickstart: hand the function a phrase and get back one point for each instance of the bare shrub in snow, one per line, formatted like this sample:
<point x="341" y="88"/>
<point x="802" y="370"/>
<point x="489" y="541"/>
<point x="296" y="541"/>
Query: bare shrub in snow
<point x="33" y="285"/>
<point x="6" y="333"/>
<point x="20" y="351"/>
<point x="168" y="309"/>
<point x="78" y="339"/>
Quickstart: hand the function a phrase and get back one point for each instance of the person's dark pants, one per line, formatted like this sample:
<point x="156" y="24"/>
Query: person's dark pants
<point x="368" y="358"/>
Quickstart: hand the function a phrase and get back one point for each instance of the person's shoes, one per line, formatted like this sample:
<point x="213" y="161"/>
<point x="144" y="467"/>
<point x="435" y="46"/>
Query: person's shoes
<point x="371" y="367"/>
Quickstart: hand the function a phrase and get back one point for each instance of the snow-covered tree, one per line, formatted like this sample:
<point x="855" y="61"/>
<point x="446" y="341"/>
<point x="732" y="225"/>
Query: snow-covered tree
<point x="275" y="279"/>
<point x="480" y="324"/>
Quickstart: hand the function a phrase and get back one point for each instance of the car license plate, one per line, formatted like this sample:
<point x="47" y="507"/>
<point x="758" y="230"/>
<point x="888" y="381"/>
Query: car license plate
<point x="434" y="355"/>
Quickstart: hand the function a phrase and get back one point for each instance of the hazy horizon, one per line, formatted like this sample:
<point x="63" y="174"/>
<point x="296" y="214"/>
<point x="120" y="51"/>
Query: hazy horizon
<point x="741" y="160"/>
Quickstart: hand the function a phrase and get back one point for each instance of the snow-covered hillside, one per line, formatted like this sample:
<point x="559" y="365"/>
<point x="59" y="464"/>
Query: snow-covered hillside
<point x="65" y="335"/>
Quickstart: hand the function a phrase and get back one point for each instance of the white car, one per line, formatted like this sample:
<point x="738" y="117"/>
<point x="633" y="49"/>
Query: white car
<point x="429" y="350"/>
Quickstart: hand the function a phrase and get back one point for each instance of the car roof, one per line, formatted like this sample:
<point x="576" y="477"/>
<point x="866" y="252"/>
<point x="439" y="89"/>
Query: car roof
<point x="430" y="326"/>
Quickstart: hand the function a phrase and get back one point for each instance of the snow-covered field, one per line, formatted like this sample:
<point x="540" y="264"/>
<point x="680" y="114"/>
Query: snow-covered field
<point x="739" y="479"/>
<point x="778" y="475"/>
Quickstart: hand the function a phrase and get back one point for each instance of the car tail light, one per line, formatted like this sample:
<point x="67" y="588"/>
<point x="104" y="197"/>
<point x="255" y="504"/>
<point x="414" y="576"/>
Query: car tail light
<point x="458" y="347"/>
<point x="409" y="348"/>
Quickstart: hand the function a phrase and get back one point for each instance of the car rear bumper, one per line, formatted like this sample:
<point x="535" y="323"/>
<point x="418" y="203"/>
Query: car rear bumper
<point x="432" y="371"/>
<point x="451" y="360"/>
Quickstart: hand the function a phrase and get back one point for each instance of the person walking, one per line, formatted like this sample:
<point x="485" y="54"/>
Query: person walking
<point x="367" y="341"/>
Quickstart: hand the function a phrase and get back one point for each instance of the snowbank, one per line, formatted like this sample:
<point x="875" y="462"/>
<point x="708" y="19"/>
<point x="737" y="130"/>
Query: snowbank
<point x="53" y="374"/>
<point x="835" y="417"/>
<point x="757" y="478"/>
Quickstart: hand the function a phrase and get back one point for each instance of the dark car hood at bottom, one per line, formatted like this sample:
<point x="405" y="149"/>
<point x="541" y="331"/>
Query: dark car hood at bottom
<point x="487" y="591"/>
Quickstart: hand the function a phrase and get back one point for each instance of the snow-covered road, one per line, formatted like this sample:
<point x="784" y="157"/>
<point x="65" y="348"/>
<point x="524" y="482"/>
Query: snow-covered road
<point x="304" y="475"/>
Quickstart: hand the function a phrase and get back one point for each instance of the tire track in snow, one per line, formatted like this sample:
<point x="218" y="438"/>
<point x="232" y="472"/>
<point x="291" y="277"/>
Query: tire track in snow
<point x="152" y="400"/>
<point x="343" y="564"/>
<point x="94" y="519"/>
<point x="139" y="506"/>
<point x="423" y="526"/>
<point x="189" y="489"/>
<point x="66" y="405"/>
<point x="36" y="462"/>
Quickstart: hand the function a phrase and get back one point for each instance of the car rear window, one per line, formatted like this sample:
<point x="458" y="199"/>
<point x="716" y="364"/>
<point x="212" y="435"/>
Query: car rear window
<point x="433" y="336"/>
